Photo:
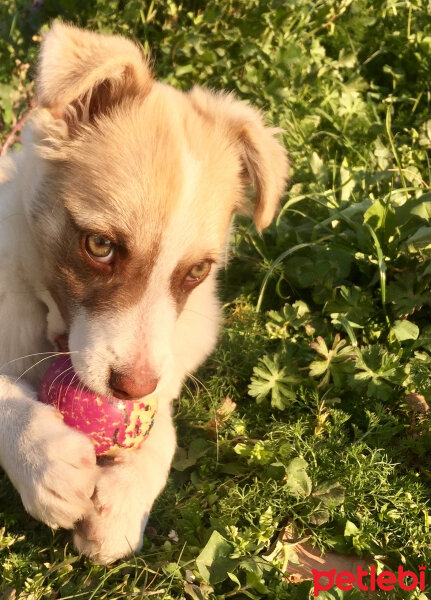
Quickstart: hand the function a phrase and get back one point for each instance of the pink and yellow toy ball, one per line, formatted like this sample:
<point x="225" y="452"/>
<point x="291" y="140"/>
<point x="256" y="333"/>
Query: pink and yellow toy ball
<point x="109" y="422"/>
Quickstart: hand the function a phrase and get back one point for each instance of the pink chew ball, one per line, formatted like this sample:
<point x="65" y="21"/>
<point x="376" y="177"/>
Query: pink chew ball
<point x="109" y="422"/>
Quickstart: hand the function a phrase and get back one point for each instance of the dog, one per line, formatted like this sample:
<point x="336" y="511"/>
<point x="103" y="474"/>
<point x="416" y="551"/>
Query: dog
<point x="114" y="221"/>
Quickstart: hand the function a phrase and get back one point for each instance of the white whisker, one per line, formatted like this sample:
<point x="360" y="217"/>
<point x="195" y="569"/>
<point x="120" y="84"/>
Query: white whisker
<point x="196" y="380"/>
<point x="63" y="372"/>
<point x="51" y="353"/>
<point x="195" y="312"/>
<point x="70" y="382"/>
<point x="188" y="389"/>
<point x="39" y="362"/>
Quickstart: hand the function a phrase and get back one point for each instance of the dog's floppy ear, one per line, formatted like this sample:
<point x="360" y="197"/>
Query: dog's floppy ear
<point x="263" y="157"/>
<point x="82" y="74"/>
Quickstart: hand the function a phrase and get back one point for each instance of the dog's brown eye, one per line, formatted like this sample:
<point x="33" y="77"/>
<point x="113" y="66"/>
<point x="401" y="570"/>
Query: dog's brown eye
<point x="99" y="248"/>
<point x="197" y="273"/>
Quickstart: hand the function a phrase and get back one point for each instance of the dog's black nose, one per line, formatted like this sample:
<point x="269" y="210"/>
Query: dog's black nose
<point x="131" y="388"/>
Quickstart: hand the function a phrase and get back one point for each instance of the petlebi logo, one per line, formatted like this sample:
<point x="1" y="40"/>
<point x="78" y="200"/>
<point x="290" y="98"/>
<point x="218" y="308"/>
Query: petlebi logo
<point x="368" y="580"/>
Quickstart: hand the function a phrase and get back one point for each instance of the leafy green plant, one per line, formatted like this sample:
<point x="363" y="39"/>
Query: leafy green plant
<point x="271" y="379"/>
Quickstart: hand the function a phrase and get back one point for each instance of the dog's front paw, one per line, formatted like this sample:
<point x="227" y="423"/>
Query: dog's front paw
<point x="108" y="536"/>
<point x="114" y="527"/>
<point x="56" y="473"/>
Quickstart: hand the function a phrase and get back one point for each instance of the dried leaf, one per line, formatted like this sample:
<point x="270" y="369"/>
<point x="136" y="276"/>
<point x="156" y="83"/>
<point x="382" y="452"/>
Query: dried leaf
<point x="311" y="558"/>
<point x="417" y="403"/>
<point x="222" y="414"/>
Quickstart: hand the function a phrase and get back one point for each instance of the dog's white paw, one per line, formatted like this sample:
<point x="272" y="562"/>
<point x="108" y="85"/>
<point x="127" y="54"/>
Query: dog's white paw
<point x="106" y="537"/>
<point x="56" y="471"/>
<point x="126" y="488"/>
<point x="114" y="528"/>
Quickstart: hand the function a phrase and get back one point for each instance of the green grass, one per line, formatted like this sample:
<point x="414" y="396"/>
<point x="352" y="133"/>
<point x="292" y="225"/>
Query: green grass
<point x="326" y="347"/>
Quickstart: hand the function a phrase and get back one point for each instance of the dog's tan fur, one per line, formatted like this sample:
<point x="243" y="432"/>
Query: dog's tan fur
<point x="142" y="134"/>
<point x="111" y="151"/>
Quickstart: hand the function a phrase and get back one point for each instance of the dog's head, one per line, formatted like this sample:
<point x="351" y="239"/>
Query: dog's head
<point x="136" y="189"/>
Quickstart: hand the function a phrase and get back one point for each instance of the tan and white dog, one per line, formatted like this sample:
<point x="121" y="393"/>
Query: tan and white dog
<point x="114" y="220"/>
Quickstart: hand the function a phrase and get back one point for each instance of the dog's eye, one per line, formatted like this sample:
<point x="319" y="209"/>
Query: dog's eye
<point x="99" y="248"/>
<point x="198" y="272"/>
